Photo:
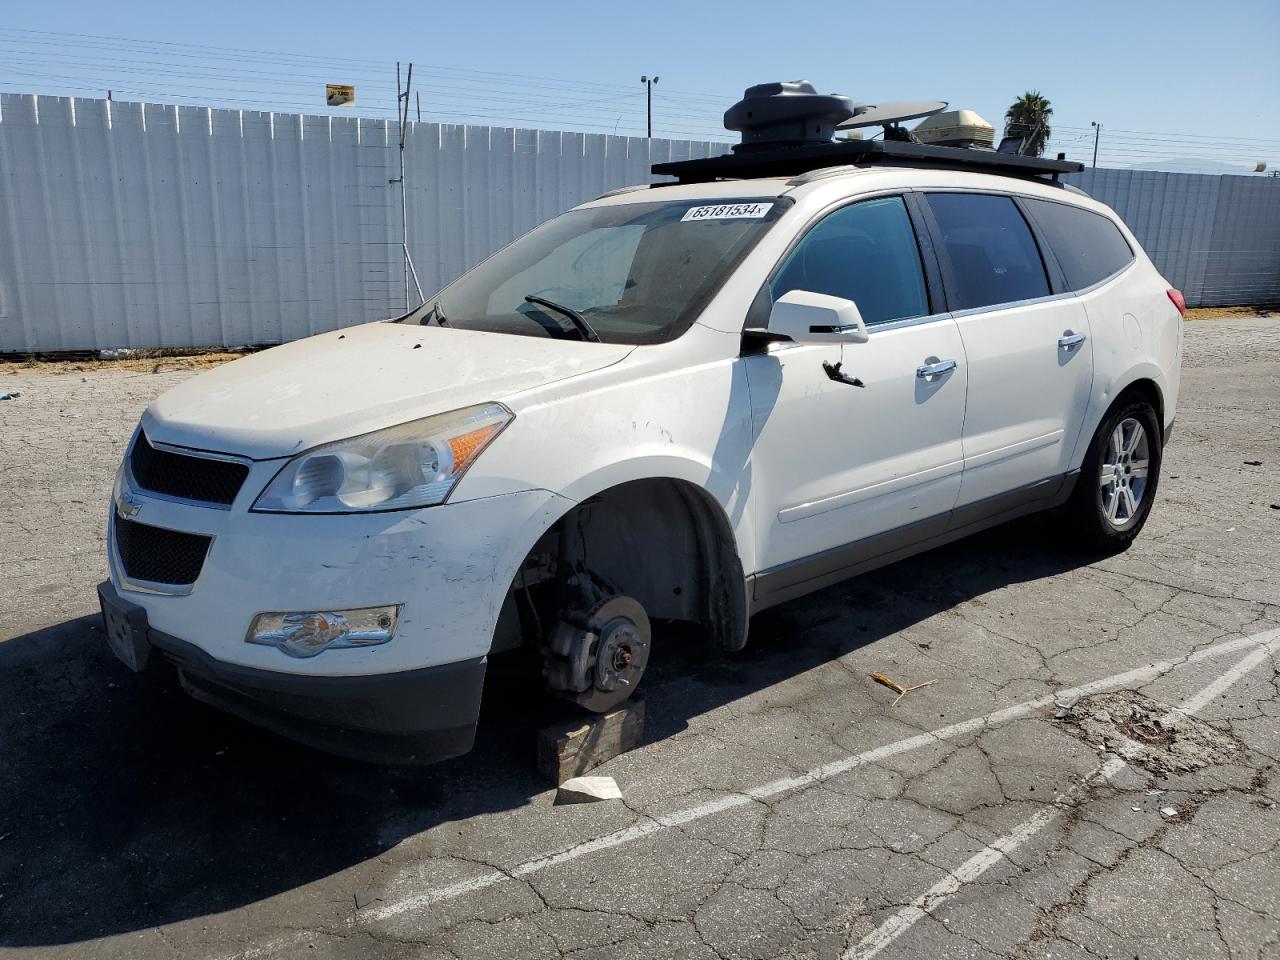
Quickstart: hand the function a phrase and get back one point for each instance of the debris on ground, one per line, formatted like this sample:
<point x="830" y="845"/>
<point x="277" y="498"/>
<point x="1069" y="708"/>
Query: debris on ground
<point x="896" y="687"/>
<point x="366" y="897"/>
<point x="1253" y="463"/>
<point x="1166" y="743"/>
<point x="588" y="790"/>
<point x="10" y="395"/>
<point x="1168" y="811"/>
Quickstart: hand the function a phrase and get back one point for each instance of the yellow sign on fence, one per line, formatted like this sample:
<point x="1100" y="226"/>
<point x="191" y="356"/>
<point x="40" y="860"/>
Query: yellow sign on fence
<point x="339" y="95"/>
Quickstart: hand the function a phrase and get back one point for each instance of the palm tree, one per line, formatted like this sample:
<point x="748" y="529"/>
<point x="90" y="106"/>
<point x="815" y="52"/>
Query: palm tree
<point x="1029" y="117"/>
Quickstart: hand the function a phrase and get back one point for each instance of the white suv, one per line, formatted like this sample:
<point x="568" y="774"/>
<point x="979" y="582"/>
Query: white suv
<point x="687" y="402"/>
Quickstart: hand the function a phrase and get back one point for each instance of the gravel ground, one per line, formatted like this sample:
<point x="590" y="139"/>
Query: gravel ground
<point x="1051" y="795"/>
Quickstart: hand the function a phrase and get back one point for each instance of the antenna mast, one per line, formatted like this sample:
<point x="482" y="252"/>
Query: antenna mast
<point x="402" y="115"/>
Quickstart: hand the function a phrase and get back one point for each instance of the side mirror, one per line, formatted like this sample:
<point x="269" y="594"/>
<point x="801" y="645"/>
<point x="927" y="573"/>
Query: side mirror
<point x="806" y="317"/>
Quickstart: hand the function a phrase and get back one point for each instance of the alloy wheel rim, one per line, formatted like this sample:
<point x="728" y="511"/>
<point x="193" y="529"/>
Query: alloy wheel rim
<point x="1124" y="473"/>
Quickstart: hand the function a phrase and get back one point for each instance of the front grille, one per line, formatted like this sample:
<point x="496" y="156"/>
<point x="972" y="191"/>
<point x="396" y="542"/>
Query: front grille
<point x="190" y="478"/>
<point x="157" y="555"/>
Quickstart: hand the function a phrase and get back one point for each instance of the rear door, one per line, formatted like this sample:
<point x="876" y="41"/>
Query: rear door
<point x="1028" y="348"/>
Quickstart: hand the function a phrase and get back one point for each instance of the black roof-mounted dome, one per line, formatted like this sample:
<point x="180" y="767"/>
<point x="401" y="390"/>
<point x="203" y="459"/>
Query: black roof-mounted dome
<point x="787" y="112"/>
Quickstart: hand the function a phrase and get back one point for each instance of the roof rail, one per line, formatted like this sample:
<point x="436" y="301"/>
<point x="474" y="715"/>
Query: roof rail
<point x="821" y="173"/>
<point x="618" y="191"/>
<point x="795" y="160"/>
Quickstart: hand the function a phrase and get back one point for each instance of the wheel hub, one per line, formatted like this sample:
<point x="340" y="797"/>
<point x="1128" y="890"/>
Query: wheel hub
<point x="597" y="660"/>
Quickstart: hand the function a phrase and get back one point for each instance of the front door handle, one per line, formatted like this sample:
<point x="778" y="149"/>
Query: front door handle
<point x="931" y="371"/>
<point x="1069" y="340"/>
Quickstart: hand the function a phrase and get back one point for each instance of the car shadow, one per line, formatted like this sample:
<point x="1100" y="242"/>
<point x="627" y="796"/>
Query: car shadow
<point x="127" y="805"/>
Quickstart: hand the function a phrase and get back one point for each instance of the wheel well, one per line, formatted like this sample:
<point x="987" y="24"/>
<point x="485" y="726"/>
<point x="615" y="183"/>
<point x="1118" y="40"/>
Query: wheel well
<point x="1148" y="390"/>
<point x="664" y="542"/>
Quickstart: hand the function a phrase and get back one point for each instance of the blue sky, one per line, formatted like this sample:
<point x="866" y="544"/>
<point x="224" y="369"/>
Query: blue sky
<point x="1156" y="73"/>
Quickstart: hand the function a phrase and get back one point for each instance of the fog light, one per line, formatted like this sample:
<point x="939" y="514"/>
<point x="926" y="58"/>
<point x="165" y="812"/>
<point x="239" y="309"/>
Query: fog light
<point x="309" y="633"/>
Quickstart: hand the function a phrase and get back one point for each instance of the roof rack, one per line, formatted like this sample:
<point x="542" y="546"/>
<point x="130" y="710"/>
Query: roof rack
<point x="789" y="129"/>
<point x="791" y="160"/>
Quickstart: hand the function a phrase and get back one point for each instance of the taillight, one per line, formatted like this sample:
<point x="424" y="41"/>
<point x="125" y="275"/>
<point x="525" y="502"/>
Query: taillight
<point x="1178" y="301"/>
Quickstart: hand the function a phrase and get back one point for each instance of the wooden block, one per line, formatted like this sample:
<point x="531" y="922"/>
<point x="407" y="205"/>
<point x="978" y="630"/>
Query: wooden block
<point x="571" y="748"/>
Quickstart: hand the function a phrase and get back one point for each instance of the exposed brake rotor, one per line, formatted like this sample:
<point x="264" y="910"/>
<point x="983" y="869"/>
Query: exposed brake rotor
<point x="598" y="660"/>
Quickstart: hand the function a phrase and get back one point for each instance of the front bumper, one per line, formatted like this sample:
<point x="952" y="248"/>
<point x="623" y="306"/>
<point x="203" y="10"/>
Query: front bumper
<point x="448" y="567"/>
<point x="413" y="716"/>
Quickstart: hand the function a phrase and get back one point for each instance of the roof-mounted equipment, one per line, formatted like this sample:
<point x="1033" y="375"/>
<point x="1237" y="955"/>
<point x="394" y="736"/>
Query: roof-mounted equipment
<point x="788" y="129"/>
<point x="891" y="115"/>
<point x="790" y="112"/>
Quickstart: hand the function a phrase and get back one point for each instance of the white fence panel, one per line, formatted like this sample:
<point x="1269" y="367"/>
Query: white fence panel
<point x="143" y="225"/>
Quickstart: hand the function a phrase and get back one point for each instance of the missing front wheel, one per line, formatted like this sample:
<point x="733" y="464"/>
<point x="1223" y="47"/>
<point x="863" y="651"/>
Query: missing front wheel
<point x="597" y="657"/>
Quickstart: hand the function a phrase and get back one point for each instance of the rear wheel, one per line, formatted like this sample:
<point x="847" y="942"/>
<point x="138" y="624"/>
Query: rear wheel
<point x="1118" y="479"/>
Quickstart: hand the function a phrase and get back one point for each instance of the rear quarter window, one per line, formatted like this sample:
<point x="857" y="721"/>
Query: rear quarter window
<point x="1089" y="247"/>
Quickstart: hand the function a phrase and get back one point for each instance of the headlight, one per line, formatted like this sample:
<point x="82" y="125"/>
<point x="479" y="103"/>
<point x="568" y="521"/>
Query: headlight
<point x="413" y="465"/>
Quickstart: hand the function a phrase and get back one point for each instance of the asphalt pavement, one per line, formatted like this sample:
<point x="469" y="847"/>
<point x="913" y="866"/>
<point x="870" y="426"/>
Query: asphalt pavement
<point x="1091" y="773"/>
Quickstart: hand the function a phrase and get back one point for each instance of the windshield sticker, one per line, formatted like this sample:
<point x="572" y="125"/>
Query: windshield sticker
<point x="728" y="211"/>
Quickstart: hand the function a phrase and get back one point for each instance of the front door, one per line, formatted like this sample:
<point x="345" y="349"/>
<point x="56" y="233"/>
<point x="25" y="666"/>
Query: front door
<point x="834" y="464"/>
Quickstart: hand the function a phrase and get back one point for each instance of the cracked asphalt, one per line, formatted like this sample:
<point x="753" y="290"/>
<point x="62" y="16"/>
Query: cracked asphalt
<point x="1092" y="775"/>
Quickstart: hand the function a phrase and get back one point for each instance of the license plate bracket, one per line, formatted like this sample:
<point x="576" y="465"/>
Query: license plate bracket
<point x="126" y="628"/>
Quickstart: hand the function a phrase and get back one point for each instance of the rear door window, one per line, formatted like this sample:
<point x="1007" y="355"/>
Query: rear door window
<point x="1089" y="247"/>
<point x="865" y="252"/>
<point x="991" y="255"/>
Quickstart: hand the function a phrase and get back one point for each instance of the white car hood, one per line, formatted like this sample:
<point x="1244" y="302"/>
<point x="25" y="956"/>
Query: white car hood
<point x="341" y="384"/>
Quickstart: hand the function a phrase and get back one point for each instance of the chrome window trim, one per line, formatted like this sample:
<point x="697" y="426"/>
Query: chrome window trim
<point x="1099" y="284"/>
<point x="149" y="586"/>
<point x="186" y="452"/>
<point x="874" y="328"/>
<point x="1011" y="305"/>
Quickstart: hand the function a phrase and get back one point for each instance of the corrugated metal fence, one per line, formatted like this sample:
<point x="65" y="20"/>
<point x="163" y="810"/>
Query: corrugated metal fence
<point x="1216" y="238"/>
<point x="129" y="224"/>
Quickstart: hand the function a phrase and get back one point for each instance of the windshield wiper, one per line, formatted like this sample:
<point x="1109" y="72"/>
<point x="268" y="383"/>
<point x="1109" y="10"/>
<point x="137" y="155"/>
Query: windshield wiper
<point x="580" y="324"/>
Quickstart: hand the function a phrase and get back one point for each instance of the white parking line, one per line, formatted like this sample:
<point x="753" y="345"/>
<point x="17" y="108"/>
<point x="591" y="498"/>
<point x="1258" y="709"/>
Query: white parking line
<point x="425" y="898"/>
<point x="982" y="861"/>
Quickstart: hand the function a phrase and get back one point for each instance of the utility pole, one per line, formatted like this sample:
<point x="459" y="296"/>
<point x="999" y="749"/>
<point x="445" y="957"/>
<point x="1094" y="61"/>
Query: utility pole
<point x="648" y="98"/>
<point x="1097" y="132"/>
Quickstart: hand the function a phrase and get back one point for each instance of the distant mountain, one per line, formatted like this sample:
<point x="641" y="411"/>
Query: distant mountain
<point x="1193" y="165"/>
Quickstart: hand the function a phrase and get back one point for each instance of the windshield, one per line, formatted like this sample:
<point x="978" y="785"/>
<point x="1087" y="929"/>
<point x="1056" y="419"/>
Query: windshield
<point x="626" y="273"/>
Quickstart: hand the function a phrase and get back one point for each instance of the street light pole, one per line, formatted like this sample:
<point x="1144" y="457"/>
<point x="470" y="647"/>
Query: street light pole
<point x="648" y="102"/>
<point x="1097" y="131"/>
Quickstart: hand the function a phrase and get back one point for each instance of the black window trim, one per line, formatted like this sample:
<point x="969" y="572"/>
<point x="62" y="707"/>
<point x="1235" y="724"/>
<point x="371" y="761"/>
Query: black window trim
<point x="924" y="248"/>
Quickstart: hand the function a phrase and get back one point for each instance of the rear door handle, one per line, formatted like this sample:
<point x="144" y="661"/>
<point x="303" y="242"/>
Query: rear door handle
<point x="1070" y="340"/>
<point x="931" y="371"/>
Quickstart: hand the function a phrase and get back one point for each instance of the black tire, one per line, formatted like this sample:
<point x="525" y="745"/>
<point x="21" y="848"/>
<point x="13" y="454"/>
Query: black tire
<point x="1087" y="521"/>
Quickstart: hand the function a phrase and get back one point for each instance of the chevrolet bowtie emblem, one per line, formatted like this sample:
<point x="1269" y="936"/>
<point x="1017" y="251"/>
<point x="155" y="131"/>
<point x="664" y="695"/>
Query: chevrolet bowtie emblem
<point x="127" y="506"/>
